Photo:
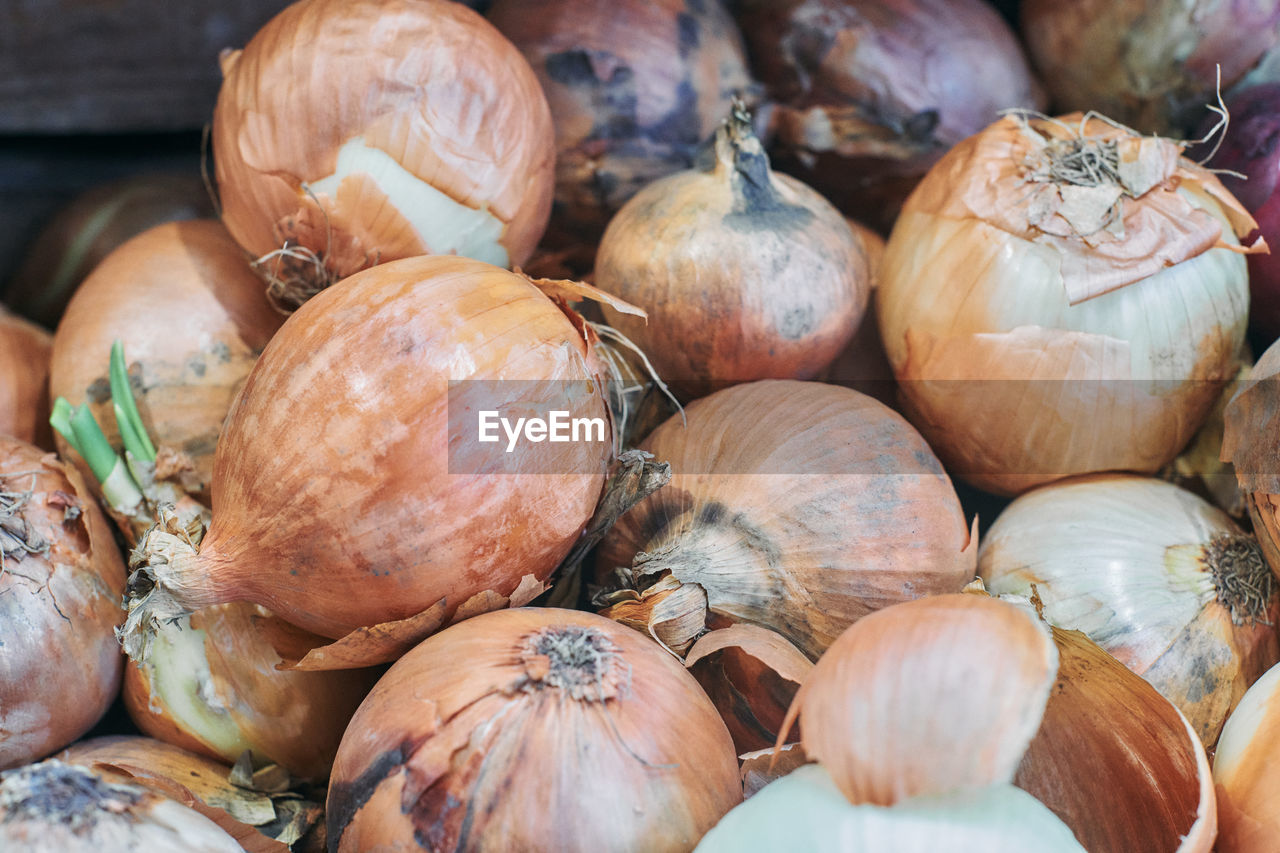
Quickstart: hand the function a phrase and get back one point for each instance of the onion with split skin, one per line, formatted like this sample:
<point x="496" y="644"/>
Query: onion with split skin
<point x="348" y="134"/>
<point x="24" y="380"/>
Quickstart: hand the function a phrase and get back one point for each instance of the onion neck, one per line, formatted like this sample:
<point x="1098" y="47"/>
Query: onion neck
<point x="741" y="159"/>
<point x="1244" y="583"/>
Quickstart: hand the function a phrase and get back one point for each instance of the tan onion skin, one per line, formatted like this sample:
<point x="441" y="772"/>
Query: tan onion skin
<point x="863" y="365"/>
<point x="798" y="506"/>
<point x="744" y="273"/>
<point x="1249" y="443"/>
<point x="61" y="665"/>
<point x="1245" y="772"/>
<point x="291" y="718"/>
<point x="1116" y="761"/>
<point x="333" y="501"/>
<point x="463" y="746"/>
<point x="192" y="318"/>
<point x="24" y="380"/>
<point x="634" y="87"/>
<point x="429" y="82"/>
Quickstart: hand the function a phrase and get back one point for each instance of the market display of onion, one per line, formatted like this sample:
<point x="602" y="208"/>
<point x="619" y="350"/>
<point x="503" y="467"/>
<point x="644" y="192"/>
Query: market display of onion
<point x="24" y="380"/>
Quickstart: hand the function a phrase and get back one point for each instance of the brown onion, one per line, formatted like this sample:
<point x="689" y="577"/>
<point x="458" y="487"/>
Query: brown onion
<point x="89" y="228"/>
<point x="192" y="318"/>
<point x="872" y="92"/>
<point x="350" y="488"/>
<point x="635" y="86"/>
<point x="354" y="133"/>
<point x="533" y="729"/>
<point x="1245" y="771"/>
<point x="1251" y="443"/>
<point x="60" y="591"/>
<point x="744" y="274"/>
<point x="24" y="380"/>
<point x="863" y="365"/>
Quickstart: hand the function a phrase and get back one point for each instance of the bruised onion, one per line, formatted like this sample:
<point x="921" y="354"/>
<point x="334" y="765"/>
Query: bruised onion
<point x="349" y="134"/>
<point x="351" y="485"/>
<point x="871" y="92"/>
<point x="635" y="86"/>
<point x="744" y="274"/>
<point x="1245" y="773"/>
<point x="24" y="380"/>
<point x="533" y="729"/>
<point x="61" y="580"/>
<point x="192" y="319"/>
<point x="1060" y="296"/>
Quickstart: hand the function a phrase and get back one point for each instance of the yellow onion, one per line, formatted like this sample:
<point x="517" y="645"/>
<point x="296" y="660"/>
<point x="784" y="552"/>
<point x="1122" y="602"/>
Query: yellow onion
<point x="871" y="92"/>
<point x="863" y="365"/>
<point x="348" y="134"/>
<point x="1060" y="296"/>
<point x="60" y="589"/>
<point x="635" y="86"/>
<point x="258" y="813"/>
<point x="1251" y="443"/>
<point x="1245" y="773"/>
<point x="24" y="380"/>
<point x="350" y="487"/>
<point x="744" y="274"/>
<point x="192" y="318"/>
<point x="89" y="228"/>
<point x="1153" y="64"/>
<point x="54" y="807"/>
<point x="532" y="729"/>
<point x="1153" y="574"/>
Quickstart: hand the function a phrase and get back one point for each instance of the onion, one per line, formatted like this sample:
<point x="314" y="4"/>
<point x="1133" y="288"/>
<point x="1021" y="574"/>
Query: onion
<point x="863" y="365"/>
<point x="89" y="228"/>
<point x="1153" y="65"/>
<point x="386" y="508"/>
<point x="871" y="92"/>
<point x="348" y="134"/>
<point x="54" y="806"/>
<point x="635" y="86"/>
<point x="1245" y="773"/>
<point x="532" y="729"/>
<point x="24" y="380"/>
<point x="1251" y="442"/>
<point x="192" y="319"/>
<point x="1026" y="352"/>
<point x="744" y="274"/>
<point x="60" y="592"/>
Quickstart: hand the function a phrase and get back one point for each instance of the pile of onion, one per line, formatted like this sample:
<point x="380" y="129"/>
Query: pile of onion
<point x="350" y="485"/>
<point x="348" y="134"/>
<point x="1061" y="296"/>
<point x="871" y="92"/>
<point x="1251" y="443"/>
<point x="1245" y="772"/>
<point x="559" y="730"/>
<point x="635" y="86"/>
<point x="744" y="274"/>
<point x="60" y="589"/>
<point x="1153" y="574"/>
<point x="24" y="380"/>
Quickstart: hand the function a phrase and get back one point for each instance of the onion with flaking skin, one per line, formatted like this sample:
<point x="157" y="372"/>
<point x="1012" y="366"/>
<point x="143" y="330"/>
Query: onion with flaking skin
<point x="563" y="731"/>
<point x="1062" y="296"/>
<point x="1245" y="773"/>
<point x="61" y="580"/>
<point x="24" y="380"/>
<point x="348" y="134"/>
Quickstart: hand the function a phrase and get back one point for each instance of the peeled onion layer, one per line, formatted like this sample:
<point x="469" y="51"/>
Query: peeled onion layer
<point x="24" y="380"/>
<point x="1250" y="444"/>
<point x="763" y="766"/>
<point x="1245" y="773"/>
<point x="805" y="810"/>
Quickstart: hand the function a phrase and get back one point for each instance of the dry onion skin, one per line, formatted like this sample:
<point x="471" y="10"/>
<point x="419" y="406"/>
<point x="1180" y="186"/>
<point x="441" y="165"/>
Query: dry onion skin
<point x="385" y="508"/>
<point x="1245" y="772"/>
<point x="54" y="807"/>
<point x="1250" y="443"/>
<point x="863" y="365"/>
<point x="1026" y="352"/>
<point x="533" y="729"/>
<point x="60" y="589"/>
<point x="192" y="318"/>
<point x="1152" y="64"/>
<point x="871" y="92"/>
<point x="635" y="86"/>
<point x="744" y="274"/>
<point x="24" y="380"/>
<point x="349" y="134"/>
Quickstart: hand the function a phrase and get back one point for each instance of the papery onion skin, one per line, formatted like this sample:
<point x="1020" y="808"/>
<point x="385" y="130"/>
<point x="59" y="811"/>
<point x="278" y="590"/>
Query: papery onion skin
<point x="871" y="92"/>
<point x="192" y="318"/>
<point x="1250" y="443"/>
<point x="429" y="84"/>
<point x="1245" y="773"/>
<point x="744" y="273"/>
<point x="61" y="665"/>
<point x="852" y="470"/>
<point x="24" y="380"/>
<point x="552" y="714"/>
<point x="1012" y="384"/>
<point x="635" y="86"/>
